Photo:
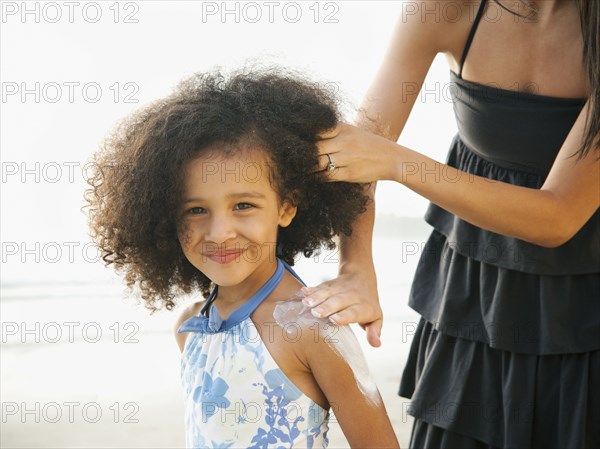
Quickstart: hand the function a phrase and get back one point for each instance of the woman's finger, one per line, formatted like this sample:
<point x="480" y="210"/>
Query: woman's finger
<point x="350" y="314"/>
<point x="374" y="333"/>
<point x="333" y="305"/>
<point x="316" y="295"/>
<point x="346" y="316"/>
<point x="328" y="164"/>
<point x="327" y="146"/>
<point x="330" y="133"/>
<point x="356" y="313"/>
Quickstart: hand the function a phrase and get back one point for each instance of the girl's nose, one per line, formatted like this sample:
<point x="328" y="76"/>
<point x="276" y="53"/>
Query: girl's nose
<point x="221" y="229"/>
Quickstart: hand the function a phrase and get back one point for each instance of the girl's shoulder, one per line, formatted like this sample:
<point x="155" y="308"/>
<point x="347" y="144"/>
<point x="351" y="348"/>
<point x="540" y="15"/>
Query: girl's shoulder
<point x="188" y="312"/>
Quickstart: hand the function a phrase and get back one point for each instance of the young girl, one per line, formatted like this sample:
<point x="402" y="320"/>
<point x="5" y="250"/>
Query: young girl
<point x="213" y="189"/>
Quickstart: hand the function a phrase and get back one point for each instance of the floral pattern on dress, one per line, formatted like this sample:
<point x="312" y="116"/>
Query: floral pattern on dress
<point x="236" y="396"/>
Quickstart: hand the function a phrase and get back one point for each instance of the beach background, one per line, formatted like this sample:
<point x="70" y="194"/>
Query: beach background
<point x="82" y="364"/>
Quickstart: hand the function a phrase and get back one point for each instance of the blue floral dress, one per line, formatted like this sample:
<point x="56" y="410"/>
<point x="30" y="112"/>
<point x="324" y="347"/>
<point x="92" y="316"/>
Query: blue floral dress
<point x="235" y="393"/>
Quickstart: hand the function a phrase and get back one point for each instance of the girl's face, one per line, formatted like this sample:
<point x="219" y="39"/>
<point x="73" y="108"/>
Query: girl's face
<point x="230" y="215"/>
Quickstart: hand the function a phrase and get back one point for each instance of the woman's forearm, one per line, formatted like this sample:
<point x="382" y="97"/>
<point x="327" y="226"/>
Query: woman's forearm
<point x="536" y="216"/>
<point x="356" y="249"/>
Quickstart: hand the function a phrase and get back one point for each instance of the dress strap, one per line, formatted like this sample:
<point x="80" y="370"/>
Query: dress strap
<point x="471" y="35"/>
<point x="292" y="272"/>
<point x="213" y="323"/>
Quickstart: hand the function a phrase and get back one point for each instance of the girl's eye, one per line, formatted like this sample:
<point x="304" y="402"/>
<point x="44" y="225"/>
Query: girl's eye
<point x="196" y="210"/>
<point x="242" y="206"/>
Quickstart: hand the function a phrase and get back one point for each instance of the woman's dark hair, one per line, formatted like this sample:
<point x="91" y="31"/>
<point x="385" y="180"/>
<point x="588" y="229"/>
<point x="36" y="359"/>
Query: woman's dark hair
<point x="137" y="180"/>
<point x="589" y="16"/>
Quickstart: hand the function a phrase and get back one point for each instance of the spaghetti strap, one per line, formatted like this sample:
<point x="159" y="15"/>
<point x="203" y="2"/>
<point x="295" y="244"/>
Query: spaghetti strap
<point x="471" y="35"/>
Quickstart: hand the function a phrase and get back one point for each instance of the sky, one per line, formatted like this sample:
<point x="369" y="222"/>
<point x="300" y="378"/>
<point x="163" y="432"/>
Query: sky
<point x="70" y="70"/>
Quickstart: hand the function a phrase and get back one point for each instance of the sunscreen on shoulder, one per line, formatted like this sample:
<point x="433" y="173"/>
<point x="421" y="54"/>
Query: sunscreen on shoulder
<point x="293" y="314"/>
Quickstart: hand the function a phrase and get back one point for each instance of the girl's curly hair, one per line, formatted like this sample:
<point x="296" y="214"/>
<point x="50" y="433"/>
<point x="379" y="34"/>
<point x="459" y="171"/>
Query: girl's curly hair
<point x="137" y="176"/>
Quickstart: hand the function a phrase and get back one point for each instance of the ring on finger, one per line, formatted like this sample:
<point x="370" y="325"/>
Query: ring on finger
<point x="331" y="165"/>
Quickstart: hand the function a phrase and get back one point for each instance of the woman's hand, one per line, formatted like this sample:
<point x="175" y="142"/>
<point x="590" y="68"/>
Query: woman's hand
<point x="350" y="298"/>
<point x="357" y="155"/>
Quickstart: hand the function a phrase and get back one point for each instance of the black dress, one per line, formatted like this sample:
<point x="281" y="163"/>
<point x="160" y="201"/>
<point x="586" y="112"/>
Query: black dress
<point x="507" y="352"/>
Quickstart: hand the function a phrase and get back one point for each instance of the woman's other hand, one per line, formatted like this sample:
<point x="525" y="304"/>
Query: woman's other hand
<point x="350" y="298"/>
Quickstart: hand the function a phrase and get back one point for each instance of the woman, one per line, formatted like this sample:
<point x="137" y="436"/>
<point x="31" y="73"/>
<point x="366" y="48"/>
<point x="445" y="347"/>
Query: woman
<point x="507" y="353"/>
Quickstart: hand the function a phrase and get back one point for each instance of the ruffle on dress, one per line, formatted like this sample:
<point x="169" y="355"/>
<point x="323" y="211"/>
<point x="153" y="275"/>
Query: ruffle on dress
<point x="500" y="398"/>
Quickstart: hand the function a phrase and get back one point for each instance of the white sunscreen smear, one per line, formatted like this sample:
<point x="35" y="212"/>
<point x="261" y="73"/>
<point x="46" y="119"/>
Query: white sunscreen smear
<point x="293" y="314"/>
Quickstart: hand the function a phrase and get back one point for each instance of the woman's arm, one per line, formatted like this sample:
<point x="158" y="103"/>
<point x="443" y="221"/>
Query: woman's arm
<point x="384" y="111"/>
<point x="548" y="217"/>
<point x="355" y="288"/>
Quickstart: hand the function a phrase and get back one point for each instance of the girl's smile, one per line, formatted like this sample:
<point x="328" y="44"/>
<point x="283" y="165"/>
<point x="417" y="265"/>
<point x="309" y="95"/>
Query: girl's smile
<point x="223" y="256"/>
